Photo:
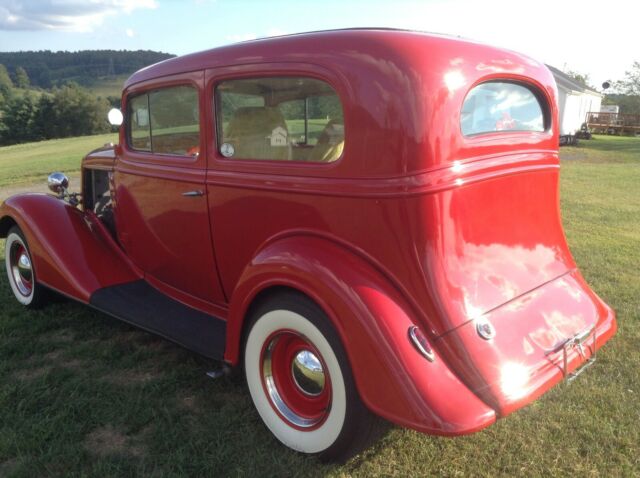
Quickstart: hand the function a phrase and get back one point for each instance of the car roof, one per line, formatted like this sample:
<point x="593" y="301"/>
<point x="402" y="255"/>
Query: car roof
<point x="402" y="91"/>
<point x="290" y="48"/>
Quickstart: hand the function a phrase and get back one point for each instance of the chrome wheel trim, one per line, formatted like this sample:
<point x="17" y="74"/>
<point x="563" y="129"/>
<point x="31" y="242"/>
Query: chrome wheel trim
<point x="19" y="268"/>
<point x="274" y="394"/>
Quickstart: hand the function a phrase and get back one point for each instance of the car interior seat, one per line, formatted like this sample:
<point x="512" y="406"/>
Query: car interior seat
<point x="258" y="132"/>
<point x="330" y="143"/>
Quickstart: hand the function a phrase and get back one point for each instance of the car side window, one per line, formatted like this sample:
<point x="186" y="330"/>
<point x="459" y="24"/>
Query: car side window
<point x="279" y="118"/>
<point x="139" y="127"/>
<point x="501" y="106"/>
<point x="165" y="121"/>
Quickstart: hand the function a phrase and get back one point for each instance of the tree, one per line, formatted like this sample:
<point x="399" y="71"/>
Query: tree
<point x="47" y="68"/>
<point x="73" y="111"/>
<point x="22" y="79"/>
<point x="6" y="85"/>
<point x="629" y="104"/>
<point x="44" y="122"/>
<point x="581" y="78"/>
<point x="19" y="120"/>
<point x="626" y="92"/>
<point x="44" y="78"/>
<point x="68" y="111"/>
<point x="630" y="85"/>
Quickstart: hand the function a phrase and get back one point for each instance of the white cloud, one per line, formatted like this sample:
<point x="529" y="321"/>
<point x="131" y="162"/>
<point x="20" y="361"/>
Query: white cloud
<point x="68" y="15"/>
<point x="130" y="33"/>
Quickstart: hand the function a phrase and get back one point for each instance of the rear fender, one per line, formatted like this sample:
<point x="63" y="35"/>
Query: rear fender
<point x="373" y="320"/>
<point x="71" y="250"/>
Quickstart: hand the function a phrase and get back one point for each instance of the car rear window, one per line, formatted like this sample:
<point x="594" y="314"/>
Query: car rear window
<point x="501" y="106"/>
<point x="165" y="121"/>
<point x="279" y="118"/>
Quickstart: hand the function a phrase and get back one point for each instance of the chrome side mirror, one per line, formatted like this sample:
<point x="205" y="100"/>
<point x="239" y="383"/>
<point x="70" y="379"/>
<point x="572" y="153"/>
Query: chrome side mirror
<point x="115" y="117"/>
<point x="58" y="183"/>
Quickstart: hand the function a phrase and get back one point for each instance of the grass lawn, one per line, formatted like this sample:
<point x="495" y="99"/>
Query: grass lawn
<point x="82" y="394"/>
<point x="108" y="86"/>
<point x="32" y="162"/>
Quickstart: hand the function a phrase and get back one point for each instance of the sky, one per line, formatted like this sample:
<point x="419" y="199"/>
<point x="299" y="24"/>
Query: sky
<point x="597" y="38"/>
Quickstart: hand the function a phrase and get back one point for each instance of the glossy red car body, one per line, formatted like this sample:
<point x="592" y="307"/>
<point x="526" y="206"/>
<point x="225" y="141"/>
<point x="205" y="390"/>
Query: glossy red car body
<point x="415" y="224"/>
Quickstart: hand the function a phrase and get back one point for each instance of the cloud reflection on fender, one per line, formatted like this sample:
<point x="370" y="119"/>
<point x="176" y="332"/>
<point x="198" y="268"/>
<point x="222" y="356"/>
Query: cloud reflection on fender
<point x="496" y="273"/>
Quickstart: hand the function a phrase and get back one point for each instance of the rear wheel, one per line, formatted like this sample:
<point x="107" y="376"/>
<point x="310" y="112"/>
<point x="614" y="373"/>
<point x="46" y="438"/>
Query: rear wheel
<point x="300" y="380"/>
<point x="20" y="270"/>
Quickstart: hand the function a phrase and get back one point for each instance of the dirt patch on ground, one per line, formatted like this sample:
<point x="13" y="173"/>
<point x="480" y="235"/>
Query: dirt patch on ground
<point x="39" y="187"/>
<point x="572" y="154"/>
<point x="108" y="440"/>
<point x="140" y="340"/>
<point x="145" y="339"/>
<point x="51" y="359"/>
<point x="57" y="359"/>
<point x="63" y="336"/>
<point x="132" y="377"/>
<point x="8" y="467"/>
<point x="190" y="403"/>
<point x="72" y="364"/>
<point x="54" y="356"/>
<point x="32" y="373"/>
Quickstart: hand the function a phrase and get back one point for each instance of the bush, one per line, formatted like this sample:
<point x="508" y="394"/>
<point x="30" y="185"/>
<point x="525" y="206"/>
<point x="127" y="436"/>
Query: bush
<point x="19" y="120"/>
<point x="67" y="111"/>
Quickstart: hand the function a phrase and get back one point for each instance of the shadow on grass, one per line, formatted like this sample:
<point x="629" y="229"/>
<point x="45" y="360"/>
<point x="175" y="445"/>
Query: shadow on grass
<point x="84" y="394"/>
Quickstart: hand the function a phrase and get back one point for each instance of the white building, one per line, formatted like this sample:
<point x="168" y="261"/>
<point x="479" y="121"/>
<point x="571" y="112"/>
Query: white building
<point x="615" y="109"/>
<point x="574" y="102"/>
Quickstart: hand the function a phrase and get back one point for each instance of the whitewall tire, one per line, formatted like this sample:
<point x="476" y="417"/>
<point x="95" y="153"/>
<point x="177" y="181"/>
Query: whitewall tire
<point x="300" y="380"/>
<point x="20" y="270"/>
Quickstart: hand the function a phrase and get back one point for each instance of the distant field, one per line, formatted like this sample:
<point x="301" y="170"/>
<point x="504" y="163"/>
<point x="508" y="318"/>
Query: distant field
<point x="108" y="86"/>
<point x="82" y="394"/>
<point x="102" y="87"/>
<point x="314" y="128"/>
<point x="31" y="162"/>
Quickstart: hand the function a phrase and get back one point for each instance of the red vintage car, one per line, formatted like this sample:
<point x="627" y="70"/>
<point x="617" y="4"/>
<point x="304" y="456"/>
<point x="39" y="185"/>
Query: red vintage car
<point x="367" y="221"/>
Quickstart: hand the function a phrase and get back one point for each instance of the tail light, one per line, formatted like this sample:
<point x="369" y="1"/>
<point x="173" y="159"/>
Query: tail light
<point x="420" y="342"/>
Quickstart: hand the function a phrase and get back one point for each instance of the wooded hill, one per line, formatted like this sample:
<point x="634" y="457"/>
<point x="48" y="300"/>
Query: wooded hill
<point x="45" y="94"/>
<point x="46" y="69"/>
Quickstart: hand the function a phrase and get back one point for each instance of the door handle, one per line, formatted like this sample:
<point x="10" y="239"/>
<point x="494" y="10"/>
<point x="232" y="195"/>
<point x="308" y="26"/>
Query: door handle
<point x="193" y="194"/>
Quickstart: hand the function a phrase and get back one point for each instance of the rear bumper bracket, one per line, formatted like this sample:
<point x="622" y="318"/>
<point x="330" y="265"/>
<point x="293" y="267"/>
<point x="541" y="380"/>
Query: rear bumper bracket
<point x="579" y="342"/>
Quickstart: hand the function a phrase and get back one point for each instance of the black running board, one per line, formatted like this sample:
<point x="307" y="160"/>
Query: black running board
<point x="141" y="305"/>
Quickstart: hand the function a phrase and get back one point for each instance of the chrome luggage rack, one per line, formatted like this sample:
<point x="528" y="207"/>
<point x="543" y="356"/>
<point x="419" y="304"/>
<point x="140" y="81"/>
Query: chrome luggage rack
<point x="578" y="342"/>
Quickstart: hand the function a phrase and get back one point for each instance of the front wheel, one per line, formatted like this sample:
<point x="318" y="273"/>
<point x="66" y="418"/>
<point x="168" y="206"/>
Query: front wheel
<point x="20" y="270"/>
<point x="300" y="380"/>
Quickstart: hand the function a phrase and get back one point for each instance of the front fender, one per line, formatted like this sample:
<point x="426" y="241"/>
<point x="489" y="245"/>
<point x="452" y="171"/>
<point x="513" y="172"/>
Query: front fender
<point x="71" y="250"/>
<point x="372" y="319"/>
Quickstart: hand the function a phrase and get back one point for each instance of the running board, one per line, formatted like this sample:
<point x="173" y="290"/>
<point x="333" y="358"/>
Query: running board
<point x="141" y="305"/>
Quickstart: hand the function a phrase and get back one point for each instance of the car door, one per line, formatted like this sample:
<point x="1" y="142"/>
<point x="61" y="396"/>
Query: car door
<point x="161" y="205"/>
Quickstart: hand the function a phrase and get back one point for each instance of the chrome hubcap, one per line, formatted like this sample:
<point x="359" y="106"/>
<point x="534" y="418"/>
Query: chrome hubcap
<point x="21" y="269"/>
<point x="308" y="374"/>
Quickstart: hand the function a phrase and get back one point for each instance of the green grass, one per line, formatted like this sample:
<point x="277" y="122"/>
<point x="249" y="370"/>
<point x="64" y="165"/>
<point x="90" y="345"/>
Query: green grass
<point x="108" y="86"/>
<point x="85" y="395"/>
<point x="32" y="162"/>
<point x="314" y="128"/>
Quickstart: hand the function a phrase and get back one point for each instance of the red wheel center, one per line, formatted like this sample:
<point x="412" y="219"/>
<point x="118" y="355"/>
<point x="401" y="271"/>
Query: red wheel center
<point x="296" y="380"/>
